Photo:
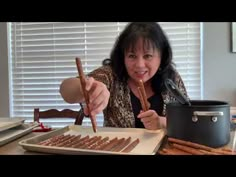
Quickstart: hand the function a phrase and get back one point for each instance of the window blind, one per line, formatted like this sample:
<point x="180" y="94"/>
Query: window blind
<point x="43" y="54"/>
<point x="185" y="40"/>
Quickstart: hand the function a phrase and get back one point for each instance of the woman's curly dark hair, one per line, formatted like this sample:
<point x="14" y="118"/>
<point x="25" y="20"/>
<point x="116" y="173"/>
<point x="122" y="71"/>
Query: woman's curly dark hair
<point x="151" y="33"/>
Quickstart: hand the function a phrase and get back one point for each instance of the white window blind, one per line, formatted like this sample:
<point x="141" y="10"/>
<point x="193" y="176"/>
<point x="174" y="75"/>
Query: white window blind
<point x="185" y="40"/>
<point x="43" y="54"/>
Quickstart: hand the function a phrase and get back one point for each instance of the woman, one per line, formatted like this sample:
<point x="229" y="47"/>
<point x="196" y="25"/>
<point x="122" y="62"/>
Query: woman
<point x="141" y="52"/>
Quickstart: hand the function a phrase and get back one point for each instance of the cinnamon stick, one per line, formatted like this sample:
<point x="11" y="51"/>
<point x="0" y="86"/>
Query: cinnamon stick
<point x="85" y="93"/>
<point x="144" y="108"/>
<point x="144" y="96"/>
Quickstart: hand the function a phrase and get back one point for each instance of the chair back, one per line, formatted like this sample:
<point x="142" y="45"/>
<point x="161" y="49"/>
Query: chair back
<point x="54" y="113"/>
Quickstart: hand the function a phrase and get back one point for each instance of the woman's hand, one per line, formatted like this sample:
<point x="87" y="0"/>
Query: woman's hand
<point x="98" y="96"/>
<point x="151" y="120"/>
<point x="71" y="90"/>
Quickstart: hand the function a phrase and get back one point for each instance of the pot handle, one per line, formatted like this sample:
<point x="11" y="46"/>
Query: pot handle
<point x="208" y="113"/>
<point x="212" y="114"/>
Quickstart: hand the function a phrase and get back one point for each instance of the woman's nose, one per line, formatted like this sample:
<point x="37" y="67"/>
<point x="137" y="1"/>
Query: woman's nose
<point x="140" y="62"/>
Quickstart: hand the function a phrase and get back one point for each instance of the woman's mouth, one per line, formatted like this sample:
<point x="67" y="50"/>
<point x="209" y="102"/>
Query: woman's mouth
<point x="140" y="74"/>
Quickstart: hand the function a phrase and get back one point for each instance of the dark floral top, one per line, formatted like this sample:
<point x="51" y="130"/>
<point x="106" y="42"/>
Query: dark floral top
<point x="118" y="112"/>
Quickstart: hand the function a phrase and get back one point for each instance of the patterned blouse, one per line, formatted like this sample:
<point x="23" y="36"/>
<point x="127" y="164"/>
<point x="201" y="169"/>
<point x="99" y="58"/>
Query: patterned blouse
<point x="118" y="112"/>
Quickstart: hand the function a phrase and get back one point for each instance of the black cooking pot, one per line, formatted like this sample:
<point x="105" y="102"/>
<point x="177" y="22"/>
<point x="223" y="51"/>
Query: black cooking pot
<point x="205" y="122"/>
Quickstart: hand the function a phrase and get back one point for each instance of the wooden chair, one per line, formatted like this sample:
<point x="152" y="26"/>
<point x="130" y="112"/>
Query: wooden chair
<point x="54" y="113"/>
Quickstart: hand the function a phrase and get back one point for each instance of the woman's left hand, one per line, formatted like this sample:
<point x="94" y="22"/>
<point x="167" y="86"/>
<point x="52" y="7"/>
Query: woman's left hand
<point x="151" y="120"/>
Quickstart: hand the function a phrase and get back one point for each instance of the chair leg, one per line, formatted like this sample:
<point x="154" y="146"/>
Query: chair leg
<point x="36" y="115"/>
<point x="79" y="118"/>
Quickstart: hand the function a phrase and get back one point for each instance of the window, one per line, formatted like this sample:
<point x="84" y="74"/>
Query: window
<point x="185" y="42"/>
<point x="43" y="54"/>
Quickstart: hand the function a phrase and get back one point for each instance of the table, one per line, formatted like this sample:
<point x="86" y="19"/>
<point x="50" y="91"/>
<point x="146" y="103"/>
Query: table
<point x="13" y="148"/>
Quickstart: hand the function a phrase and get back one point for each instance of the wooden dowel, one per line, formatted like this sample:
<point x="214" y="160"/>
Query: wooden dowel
<point x="180" y="152"/>
<point x="174" y="151"/>
<point x="164" y="153"/>
<point x="227" y="149"/>
<point x="187" y="149"/>
<point x="222" y="152"/>
<point x="188" y="143"/>
<point x="168" y="152"/>
<point x="209" y="152"/>
<point x="85" y="93"/>
<point x="199" y="146"/>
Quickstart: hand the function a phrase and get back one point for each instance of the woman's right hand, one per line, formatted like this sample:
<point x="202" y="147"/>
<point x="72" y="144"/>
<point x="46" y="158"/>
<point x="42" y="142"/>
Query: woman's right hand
<point x="98" y="96"/>
<point x="71" y="92"/>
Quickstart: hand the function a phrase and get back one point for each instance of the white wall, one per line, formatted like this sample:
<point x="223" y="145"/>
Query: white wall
<point x="4" y="84"/>
<point x="219" y="63"/>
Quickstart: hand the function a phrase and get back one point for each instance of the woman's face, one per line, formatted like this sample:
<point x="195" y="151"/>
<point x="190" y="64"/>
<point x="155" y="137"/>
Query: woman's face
<point x="143" y="62"/>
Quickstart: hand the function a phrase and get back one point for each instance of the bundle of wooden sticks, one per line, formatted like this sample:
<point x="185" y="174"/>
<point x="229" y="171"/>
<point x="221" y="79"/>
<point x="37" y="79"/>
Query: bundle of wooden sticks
<point x="181" y="147"/>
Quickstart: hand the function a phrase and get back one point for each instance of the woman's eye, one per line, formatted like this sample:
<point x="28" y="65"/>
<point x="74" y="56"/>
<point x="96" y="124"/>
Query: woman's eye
<point x="132" y="56"/>
<point x="147" y="56"/>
